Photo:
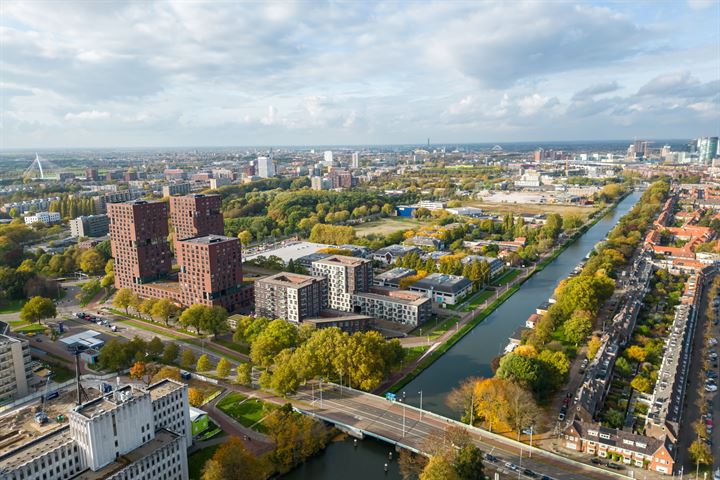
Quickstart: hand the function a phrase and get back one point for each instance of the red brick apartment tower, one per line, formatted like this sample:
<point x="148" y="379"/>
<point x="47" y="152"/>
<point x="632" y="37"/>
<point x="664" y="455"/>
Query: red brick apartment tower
<point x="196" y="216"/>
<point x="211" y="271"/>
<point x="138" y="237"/>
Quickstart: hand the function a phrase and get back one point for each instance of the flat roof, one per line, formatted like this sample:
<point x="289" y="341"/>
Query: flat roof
<point x="108" y="402"/>
<point x="342" y="260"/>
<point x="288" y="251"/>
<point x="29" y="451"/>
<point x="163" y="387"/>
<point x="395" y="274"/>
<point x="86" y="338"/>
<point x="290" y="279"/>
<point x="442" y="282"/>
<point x="404" y="297"/>
<point x="209" y="239"/>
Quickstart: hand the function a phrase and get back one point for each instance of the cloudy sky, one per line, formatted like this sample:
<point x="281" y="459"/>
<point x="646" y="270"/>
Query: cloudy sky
<point x="106" y="73"/>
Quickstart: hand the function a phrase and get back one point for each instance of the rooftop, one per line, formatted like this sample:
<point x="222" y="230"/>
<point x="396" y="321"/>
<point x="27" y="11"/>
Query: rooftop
<point x="209" y="239"/>
<point x="164" y="387"/>
<point x="29" y="451"/>
<point x="342" y="260"/>
<point x="108" y="402"/>
<point x="442" y="282"/>
<point x="405" y="297"/>
<point x="290" y="279"/>
<point x="395" y="274"/>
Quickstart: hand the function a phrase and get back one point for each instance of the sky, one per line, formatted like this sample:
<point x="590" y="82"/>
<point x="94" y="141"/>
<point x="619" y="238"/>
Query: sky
<point x="189" y="73"/>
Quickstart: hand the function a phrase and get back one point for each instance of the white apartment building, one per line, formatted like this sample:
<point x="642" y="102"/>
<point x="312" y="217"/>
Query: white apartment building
<point x="15" y="371"/>
<point x="328" y="158"/>
<point x="129" y="434"/>
<point x="345" y="276"/>
<point x="43" y="217"/>
<point x="265" y="167"/>
<point x="355" y="160"/>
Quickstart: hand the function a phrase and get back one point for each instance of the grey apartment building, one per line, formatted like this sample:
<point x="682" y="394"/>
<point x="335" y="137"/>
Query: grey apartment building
<point x="90" y="226"/>
<point x="15" y="371"/>
<point x="290" y="296"/>
<point x="399" y="306"/>
<point x="345" y="276"/>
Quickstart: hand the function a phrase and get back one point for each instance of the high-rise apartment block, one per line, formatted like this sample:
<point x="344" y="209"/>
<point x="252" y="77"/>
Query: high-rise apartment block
<point x="355" y="162"/>
<point x="345" y="276"/>
<point x="91" y="174"/>
<point x="15" y="371"/>
<point x="138" y="234"/>
<point x="707" y="148"/>
<point x="290" y="296"/>
<point x="265" y="167"/>
<point x="196" y="215"/>
<point x="210" y="264"/>
<point x="129" y="434"/>
<point x="210" y="271"/>
<point x="328" y="158"/>
<point x="176" y="189"/>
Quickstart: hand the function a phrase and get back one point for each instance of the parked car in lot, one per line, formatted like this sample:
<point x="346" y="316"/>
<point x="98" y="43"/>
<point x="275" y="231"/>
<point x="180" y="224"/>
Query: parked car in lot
<point x="615" y="466"/>
<point x="711" y="388"/>
<point x="561" y="417"/>
<point x="596" y="461"/>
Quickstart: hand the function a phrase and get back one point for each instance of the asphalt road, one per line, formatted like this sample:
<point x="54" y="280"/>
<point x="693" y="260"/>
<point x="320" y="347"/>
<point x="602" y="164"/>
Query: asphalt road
<point x="392" y="420"/>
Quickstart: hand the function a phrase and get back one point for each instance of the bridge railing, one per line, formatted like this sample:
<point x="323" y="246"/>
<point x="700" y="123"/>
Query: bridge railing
<point x="482" y="433"/>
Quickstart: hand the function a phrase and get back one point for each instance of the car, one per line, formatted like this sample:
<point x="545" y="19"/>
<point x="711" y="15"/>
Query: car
<point x="711" y="388"/>
<point x="566" y="401"/>
<point x="582" y="371"/>
<point x="527" y="431"/>
<point x="561" y="417"/>
<point x="615" y="466"/>
<point x="545" y="477"/>
<point x="490" y="458"/>
<point x="529" y="473"/>
<point x="563" y="409"/>
<point x="38" y="339"/>
<point x="596" y="461"/>
<point x="568" y="395"/>
<point x="510" y="465"/>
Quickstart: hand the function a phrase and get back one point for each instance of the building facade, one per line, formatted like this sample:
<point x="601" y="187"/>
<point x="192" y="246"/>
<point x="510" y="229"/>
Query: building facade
<point x="90" y="226"/>
<point x="138" y="238"/>
<point x="399" y="306"/>
<point x="15" y="371"/>
<point x="443" y="288"/>
<point x="196" y="216"/>
<point x="265" y="167"/>
<point x="345" y="276"/>
<point x="290" y="296"/>
<point x="176" y="189"/>
<point x="43" y="217"/>
<point x="129" y="434"/>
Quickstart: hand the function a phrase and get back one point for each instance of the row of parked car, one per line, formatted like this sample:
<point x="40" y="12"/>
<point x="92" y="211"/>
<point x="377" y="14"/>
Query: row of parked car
<point x="96" y="320"/>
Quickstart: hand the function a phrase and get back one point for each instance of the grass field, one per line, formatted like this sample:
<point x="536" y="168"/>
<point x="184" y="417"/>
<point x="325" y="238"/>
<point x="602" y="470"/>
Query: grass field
<point x="196" y="461"/>
<point x="532" y="208"/>
<point x="386" y="225"/>
<point x="477" y="300"/>
<point x="12" y="306"/>
<point x="35" y="327"/>
<point x="434" y="329"/>
<point x="246" y="411"/>
<point x="233" y="346"/>
<point x="506" y="277"/>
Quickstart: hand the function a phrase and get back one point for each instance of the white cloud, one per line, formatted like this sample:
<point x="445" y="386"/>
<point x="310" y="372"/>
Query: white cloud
<point x="89" y="115"/>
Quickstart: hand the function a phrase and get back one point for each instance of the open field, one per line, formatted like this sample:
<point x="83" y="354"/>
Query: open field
<point x="532" y="208"/>
<point x="12" y="306"/>
<point x="196" y="461"/>
<point x="386" y="225"/>
<point x="247" y="411"/>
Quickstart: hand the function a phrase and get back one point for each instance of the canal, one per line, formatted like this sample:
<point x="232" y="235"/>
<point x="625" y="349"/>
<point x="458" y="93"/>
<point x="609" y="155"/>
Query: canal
<point x="471" y="356"/>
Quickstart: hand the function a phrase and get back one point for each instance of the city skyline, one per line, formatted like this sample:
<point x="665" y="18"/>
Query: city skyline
<point x="181" y="74"/>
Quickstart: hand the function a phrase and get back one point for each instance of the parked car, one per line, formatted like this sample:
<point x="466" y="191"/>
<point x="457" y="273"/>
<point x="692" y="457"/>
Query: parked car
<point x="596" y="461"/>
<point x="615" y="466"/>
<point x="561" y="417"/>
<point x="529" y="473"/>
<point x="711" y="388"/>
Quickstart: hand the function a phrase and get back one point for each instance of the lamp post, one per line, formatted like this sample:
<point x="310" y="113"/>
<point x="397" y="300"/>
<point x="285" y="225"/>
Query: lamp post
<point x="421" y="410"/>
<point x="321" y="399"/>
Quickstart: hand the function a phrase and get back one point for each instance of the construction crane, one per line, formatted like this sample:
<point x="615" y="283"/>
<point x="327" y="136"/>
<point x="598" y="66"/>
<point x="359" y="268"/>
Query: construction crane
<point x="41" y="417"/>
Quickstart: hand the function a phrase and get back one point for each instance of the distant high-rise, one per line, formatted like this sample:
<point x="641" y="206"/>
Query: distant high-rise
<point x="355" y="160"/>
<point x="265" y="167"/>
<point x="707" y="149"/>
<point x="328" y="158"/>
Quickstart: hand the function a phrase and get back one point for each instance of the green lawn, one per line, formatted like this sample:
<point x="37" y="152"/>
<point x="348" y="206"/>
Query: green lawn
<point x="436" y="328"/>
<point x="412" y="353"/>
<point x="506" y="277"/>
<point x="233" y="346"/>
<point x="35" y="328"/>
<point x="196" y="461"/>
<point x="12" y="306"/>
<point x="60" y="373"/>
<point x="477" y="300"/>
<point x="387" y="225"/>
<point x="245" y="411"/>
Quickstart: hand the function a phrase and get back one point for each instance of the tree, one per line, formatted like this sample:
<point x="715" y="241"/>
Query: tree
<point x="522" y="369"/>
<point x="113" y="355"/>
<point x="124" y="298"/>
<point x="594" y="345"/>
<point x="164" y="309"/>
<point x="204" y="364"/>
<point x="578" y="327"/>
<point x="411" y="464"/>
<point x="223" y="367"/>
<point x="439" y="468"/>
<point x="193" y="316"/>
<point x="700" y="452"/>
<point x="636" y="353"/>
<point x="284" y="377"/>
<point x="187" y="358"/>
<point x="195" y="397"/>
<point x="214" y="320"/>
<point x="641" y="384"/>
<point x="138" y="371"/>
<point x="245" y="238"/>
<point x="277" y="336"/>
<point x="170" y="353"/>
<point x="37" y="309"/>
<point x="232" y="461"/>
<point x="166" y="372"/>
<point x="521" y="411"/>
<point x="146" y="306"/>
<point x="244" y="371"/>
<point x="490" y="401"/>
<point x="108" y="281"/>
<point x="614" y="418"/>
<point x="468" y="463"/>
<point x="155" y="348"/>
<point x="91" y="262"/>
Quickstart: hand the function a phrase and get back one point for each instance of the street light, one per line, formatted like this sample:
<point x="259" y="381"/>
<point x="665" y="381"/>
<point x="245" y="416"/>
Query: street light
<point x="421" y="410"/>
